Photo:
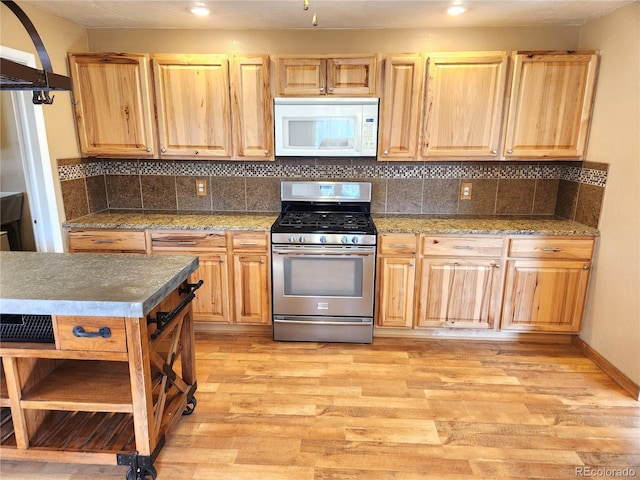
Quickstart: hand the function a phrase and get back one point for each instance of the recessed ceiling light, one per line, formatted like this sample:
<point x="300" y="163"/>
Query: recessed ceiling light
<point x="456" y="9"/>
<point x="200" y="10"/>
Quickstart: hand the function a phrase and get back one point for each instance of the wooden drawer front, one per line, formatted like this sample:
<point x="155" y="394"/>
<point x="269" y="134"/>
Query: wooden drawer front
<point x="461" y="246"/>
<point x="250" y="241"/>
<point x="188" y="241"/>
<point x="107" y="240"/>
<point x="397" y="244"/>
<point x="67" y="340"/>
<point x="567" y="248"/>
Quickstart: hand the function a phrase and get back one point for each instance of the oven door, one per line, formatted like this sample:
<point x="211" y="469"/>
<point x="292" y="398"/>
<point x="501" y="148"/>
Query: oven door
<point x="331" y="280"/>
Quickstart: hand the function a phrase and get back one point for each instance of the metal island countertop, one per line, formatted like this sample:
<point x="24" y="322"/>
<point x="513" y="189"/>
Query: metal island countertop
<point x="114" y="285"/>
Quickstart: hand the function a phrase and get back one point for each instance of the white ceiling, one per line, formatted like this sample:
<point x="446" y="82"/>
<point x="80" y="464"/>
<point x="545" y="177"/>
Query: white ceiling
<point x="357" y="14"/>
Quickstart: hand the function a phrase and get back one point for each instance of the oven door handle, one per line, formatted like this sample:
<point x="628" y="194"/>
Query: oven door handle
<point x="324" y="253"/>
<point x="323" y="322"/>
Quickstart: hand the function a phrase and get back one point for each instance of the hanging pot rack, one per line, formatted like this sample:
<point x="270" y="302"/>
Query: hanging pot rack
<point x="16" y="76"/>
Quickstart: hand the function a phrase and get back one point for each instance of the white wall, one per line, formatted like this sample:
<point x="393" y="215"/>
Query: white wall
<point x="612" y="317"/>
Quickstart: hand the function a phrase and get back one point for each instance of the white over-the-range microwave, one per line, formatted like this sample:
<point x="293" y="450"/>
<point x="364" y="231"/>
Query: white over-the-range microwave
<point x="326" y="127"/>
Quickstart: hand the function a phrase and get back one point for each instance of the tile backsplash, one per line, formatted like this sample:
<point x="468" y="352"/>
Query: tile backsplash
<point x="571" y="190"/>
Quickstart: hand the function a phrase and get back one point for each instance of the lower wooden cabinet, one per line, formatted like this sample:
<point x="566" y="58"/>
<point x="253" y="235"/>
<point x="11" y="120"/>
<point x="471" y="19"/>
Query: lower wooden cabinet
<point x="460" y="281"/>
<point x="546" y="284"/>
<point x="458" y="292"/>
<point x="251" y="277"/>
<point x="234" y="265"/>
<point x="396" y="280"/>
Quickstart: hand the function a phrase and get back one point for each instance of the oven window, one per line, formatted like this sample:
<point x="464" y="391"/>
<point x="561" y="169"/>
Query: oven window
<point x="323" y="277"/>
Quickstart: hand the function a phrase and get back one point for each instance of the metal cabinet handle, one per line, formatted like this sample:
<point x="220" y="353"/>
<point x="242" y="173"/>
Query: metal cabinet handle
<point x="463" y="247"/>
<point x="550" y="249"/>
<point x="411" y="264"/>
<point x="322" y="89"/>
<point x="494" y="152"/>
<point x="248" y="244"/>
<point x="221" y="260"/>
<point x="495" y="265"/>
<point x="78" y="331"/>
<point x="184" y="242"/>
<point x="386" y="152"/>
<point x="163" y="150"/>
<point x="148" y="149"/>
<point x="266" y="152"/>
<point x="509" y="151"/>
<point x="399" y="245"/>
<point x="331" y="89"/>
<point x="106" y="240"/>
<point x="586" y="267"/>
<point x="262" y="261"/>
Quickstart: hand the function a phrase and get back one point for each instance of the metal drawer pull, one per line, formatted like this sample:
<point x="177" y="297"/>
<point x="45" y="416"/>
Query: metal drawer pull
<point x="248" y="244"/>
<point x="104" y="332"/>
<point x="399" y="245"/>
<point x="106" y="240"/>
<point x="463" y="247"/>
<point x="550" y="249"/>
<point x="184" y="242"/>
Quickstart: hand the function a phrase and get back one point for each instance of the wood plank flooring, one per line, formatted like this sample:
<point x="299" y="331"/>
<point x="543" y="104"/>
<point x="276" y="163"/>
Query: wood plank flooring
<point x="401" y="409"/>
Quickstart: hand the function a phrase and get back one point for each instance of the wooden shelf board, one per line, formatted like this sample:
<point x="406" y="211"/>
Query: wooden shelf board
<point x="86" y="385"/>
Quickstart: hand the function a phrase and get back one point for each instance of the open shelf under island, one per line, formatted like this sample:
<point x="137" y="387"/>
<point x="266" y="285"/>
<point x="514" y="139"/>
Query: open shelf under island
<point x="112" y="368"/>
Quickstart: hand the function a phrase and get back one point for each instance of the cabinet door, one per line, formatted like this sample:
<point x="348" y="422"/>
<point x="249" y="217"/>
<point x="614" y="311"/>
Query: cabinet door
<point x="550" y="105"/>
<point x="545" y="295"/>
<point x="300" y="76"/>
<point x="351" y="76"/>
<point x="112" y="104"/>
<point x="192" y="101"/>
<point x="252" y="108"/>
<point x="463" y="108"/>
<point x="458" y="293"/>
<point x="396" y="281"/>
<point x="251" y="288"/>
<point x="211" y="303"/>
<point x="400" y="108"/>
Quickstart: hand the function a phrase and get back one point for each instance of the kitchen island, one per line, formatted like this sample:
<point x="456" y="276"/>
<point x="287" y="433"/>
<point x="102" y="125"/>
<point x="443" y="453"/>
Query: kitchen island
<point x="118" y="368"/>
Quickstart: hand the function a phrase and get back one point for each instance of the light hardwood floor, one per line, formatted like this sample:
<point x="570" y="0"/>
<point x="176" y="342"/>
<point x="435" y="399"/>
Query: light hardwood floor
<point x="401" y="409"/>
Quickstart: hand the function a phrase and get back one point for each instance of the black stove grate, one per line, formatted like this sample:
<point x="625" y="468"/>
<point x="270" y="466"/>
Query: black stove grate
<point x="325" y="221"/>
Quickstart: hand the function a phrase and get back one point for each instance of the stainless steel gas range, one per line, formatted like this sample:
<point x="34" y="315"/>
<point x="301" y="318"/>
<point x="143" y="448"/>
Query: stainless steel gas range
<point x="323" y="248"/>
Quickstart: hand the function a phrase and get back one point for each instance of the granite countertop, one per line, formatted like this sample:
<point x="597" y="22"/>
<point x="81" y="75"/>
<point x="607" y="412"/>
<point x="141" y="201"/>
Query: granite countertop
<point x="385" y="223"/>
<point x="86" y="284"/>
<point x="506" y="225"/>
<point x="176" y="221"/>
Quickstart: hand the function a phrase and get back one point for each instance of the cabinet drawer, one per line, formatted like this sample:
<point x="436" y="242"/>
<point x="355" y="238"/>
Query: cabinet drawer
<point x="89" y="338"/>
<point x="250" y="241"/>
<point x="107" y="240"/>
<point x="188" y="241"/>
<point x="397" y="244"/>
<point x="461" y="246"/>
<point x="558" y="247"/>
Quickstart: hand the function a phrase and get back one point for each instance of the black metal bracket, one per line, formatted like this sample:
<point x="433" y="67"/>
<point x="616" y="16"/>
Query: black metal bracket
<point x="141" y="465"/>
<point x="163" y="319"/>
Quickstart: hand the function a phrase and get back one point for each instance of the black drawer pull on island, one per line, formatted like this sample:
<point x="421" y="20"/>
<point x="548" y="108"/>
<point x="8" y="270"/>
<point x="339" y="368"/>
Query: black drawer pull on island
<point x="78" y="331"/>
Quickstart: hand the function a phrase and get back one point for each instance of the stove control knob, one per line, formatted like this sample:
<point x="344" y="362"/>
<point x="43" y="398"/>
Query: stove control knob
<point x="301" y="239"/>
<point x="323" y="239"/>
<point x="344" y="239"/>
<point x="354" y="240"/>
<point x="292" y="239"/>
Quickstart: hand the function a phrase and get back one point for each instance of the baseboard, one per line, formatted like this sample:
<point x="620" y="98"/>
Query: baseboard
<point x="607" y="367"/>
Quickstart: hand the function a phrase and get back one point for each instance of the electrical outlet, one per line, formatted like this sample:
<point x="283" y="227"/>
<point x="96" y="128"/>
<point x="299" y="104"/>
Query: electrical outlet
<point x="201" y="187"/>
<point x="465" y="191"/>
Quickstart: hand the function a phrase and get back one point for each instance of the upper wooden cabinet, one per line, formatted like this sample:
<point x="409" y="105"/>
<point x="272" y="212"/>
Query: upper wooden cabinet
<point x="112" y="104"/>
<point x="252" y="107"/>
<point x="550" y="105"/>
<point x="321" y="75"/>
<point x="400" y="107"/>
<point x="463" y="105"/>
<point x="192" y="104"/>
